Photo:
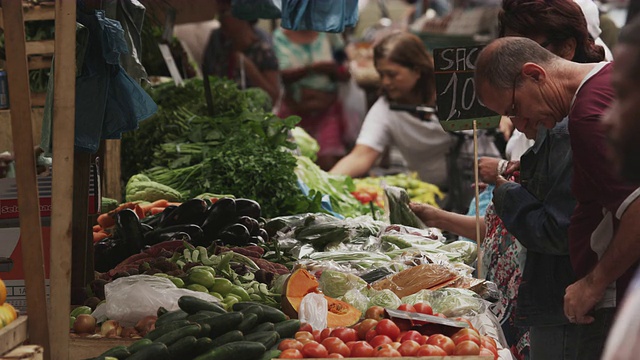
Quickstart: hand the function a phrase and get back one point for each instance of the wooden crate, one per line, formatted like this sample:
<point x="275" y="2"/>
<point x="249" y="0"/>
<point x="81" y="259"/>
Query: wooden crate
<point x="13" y="335"/>
<point x="86" y="348"/>
<point x="26" y="352"/>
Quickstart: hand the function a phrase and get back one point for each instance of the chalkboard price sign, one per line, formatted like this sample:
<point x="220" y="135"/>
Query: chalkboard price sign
<point x="457" y="102"/>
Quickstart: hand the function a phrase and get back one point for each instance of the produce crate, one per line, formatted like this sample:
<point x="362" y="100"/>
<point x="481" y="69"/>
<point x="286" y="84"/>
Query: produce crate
<point x="86" y="348"/>
<point x="13" y="335"/>
<point x="26" y="352"/>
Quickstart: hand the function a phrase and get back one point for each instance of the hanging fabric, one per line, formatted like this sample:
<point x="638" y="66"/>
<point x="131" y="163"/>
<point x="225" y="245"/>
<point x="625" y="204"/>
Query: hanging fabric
<point x="256" y="9"/>
<point x="324" y="15"/>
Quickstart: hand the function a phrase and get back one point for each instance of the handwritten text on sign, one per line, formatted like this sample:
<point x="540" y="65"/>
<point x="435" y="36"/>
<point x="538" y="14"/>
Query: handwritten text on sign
<point x="455" y="86"/>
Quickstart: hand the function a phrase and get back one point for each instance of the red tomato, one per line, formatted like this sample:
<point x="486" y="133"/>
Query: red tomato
<point x="303" y="335"/>
<point x="290" y="344"/>
<point x="408" y="348"/>
<point x="370" y="334"/>
<point x="466" y="321"/>
<point x="336" y="346"/>
<point x="467" y="347"/>
<point x="291" y="354"/>
<point x="407" y="307"/>
<point x="380" y="340"/>
<point x="467" y="337"/>
<point x="430" y="350"/>
<point x="413" y="335"/>
<point x="489" y="339"/>
<point x="424" y="339"/>
<point x="375" y="312"/>
<point x="325" y="333"/>
<point x="364" y="326"/>
<point x="487" y="352"/>
<point x="345" y="334"/>
<point x="305" y="327"/>
<point x="388" y="328"/>
<point x="350" y="344"/>
<point x="443" y="342"/>
<point x="335" y="356"/>
<point x="423" y="308"/>
<point x="440" y="315"/>
<point x="314" y="350"/>
<point x="316" y="336"/>
<point x="463" y="332"/>
<point x="362" y="349"/>
<point x="387" y="353"/>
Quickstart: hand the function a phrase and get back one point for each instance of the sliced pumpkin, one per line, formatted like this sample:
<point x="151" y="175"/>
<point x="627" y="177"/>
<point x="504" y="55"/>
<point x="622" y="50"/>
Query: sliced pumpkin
<point x="301" y="283"/>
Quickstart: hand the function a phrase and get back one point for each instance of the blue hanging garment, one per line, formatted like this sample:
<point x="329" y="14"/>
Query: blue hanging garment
<point x="319" y="15"/>
<point x="256" y="9"/>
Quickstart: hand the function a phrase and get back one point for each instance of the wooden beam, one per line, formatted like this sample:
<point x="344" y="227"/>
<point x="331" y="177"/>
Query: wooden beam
<point x="13" y="334"/>
<point x="34" y="13"/>
<point x="39" y="62"/>
<point x="38" y="99"/>
<point x="30" y="229"/>
<point x="62" y="195"/>
<point x="112" y="170"/>
<point x="40" y="47"/>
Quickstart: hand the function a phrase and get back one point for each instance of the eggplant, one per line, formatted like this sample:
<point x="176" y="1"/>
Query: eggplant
<point x="251" y="224"/>
<point x="235" y="234"/>
<point x="165" y="213"/>
<point x="256" y="240"/>
<point x="248" y="207"/>
<point x="219" y="215"/>
<point x="264" y="235"/>
<point x="192" y="211"/>
<point x="159" y="235"/>
<point x="146" y="228"/>
<point x="129" y="229"/>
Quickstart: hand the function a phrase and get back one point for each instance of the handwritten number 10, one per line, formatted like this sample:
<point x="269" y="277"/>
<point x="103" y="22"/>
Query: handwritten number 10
<point x="453" y="85"/>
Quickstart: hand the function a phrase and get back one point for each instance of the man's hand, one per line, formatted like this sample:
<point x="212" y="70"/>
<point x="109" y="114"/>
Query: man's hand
<point x="426" y="213"/>
<point x="579" y="298"/>
<point x="488" y="169"/>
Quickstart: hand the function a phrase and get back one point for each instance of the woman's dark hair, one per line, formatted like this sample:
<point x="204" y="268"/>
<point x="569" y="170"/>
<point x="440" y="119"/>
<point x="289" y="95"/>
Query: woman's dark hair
<point x="408" y="50"/>
<point x="555" y="20"/>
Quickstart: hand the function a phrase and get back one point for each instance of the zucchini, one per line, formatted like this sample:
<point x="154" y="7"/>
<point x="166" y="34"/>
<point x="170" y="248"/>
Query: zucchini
<point x="183" y="348"/>
<point x="192" y="305"/>
<point x="249" y="321"/>
<point x="271" y="354"/>
<point x="205" y="331"/>
<point x="138" y="345"/>
<point x="226" y="338"/>
<point x="155" y="351"/>
<point x="254" y="310"/>
<point x="287" y="328"/>
<point x="161" y="311"/>
<point x="265" y="326"/>
<point x="177" y="334"/>
<point x="118" y="352"/>
<point x="240" y="350"/>
<point x="203" y="345"/>
<point x="170" y="317"/>
<point x="270" y="314"/>
<point x="223" y="323"/>
<point x="266" y="338"/>
<point x="159" y="331"/>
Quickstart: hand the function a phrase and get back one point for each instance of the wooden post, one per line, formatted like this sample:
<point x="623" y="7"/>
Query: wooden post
<point x="112" y="172"/>
<point x="23" y="147"/>
<point x="475" y="173"/>
<point x="62" y="183"/>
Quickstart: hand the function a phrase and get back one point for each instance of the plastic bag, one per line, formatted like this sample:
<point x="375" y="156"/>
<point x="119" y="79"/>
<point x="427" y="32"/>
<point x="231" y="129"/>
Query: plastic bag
<point x="129" y="299"/>
<point x="335" y="284"/>
<point x="414" y="279"/>
<point x="385" y="298"/>
<point x="397" y="209"/>
<point x="313" y="311"/>
<point x="357" y="299"/>
<point x="454" y="302"/>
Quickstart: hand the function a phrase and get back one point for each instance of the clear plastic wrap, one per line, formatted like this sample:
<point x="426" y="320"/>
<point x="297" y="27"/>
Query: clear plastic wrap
<point x="358" y="299"/>
<point x="385" y="298"/>
<point x="467" y="250"/>
<point x="397" y="209"/>
<point x="454" y="302"/>
<point x="335" y="283"/>
<point x="414" y="279"/>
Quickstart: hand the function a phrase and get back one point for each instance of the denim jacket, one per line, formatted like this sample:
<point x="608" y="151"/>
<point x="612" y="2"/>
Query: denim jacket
<point x="537" y="212"/>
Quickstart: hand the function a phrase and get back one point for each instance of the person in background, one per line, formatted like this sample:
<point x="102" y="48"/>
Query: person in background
<point x="623" y="130"/>
<point x="519" y="78"/>
<point x="407" y="77"/>
<point x="238" y="51"/>
<point x="311" y="65"/>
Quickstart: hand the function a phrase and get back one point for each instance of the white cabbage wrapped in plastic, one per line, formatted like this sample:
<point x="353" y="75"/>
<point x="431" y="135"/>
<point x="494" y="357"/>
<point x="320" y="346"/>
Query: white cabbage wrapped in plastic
<point x="385" y="298"/>
<point x="335" y="284"/>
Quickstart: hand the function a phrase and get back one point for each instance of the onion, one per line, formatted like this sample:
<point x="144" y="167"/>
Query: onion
<point x="145" y="324"/>
<point x="128" y="332"/>
<point x="84" y="324"/>
<point x="110" y="327"/>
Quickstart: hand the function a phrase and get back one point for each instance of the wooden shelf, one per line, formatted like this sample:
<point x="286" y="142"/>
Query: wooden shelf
<point x="35" y="13"/>
<point x="86" y="348"/>
<point x="25" y="352"/>
<point x="40" y="47"/>
<point x="13" y="335"/>
<point x="39" y="62"/>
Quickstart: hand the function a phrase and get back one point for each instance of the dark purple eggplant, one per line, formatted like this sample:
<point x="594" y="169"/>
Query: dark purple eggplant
<point x="251" y="224"/>
<point x="264" y="234"/>
<point x="248" y="207"/>
<point x="129" y="229"/>
<point x="192" y="211"/>
<point x="220" y="214"/>
<point x="235" y="234"/>
<point x="194" y="233"/>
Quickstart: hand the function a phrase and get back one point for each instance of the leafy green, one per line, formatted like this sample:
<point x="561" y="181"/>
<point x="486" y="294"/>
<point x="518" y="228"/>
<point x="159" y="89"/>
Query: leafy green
<point x="308" y="146"/>
<point x="385" y="298"/>
<point x="335" y="283"/>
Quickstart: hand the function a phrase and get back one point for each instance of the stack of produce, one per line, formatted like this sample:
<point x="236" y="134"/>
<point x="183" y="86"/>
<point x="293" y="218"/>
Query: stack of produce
<point x="7" y="312"/>
<point x="372" y="188"/>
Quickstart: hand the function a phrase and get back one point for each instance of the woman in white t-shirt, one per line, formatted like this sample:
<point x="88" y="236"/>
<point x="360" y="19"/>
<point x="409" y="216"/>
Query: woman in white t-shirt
<point x="407" y="77"/>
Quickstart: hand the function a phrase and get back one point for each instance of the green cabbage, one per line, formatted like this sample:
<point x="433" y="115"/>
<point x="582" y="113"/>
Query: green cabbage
<point x="385" y="298"/>
<point x="357" y="299"/>
<point x="335" y="283"/>
<point x="423" y="295"/>
<point x="308" y="145"/>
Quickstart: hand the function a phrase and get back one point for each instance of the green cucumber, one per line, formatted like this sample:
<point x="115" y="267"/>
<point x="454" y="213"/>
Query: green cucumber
<point x="287" y="328"/>
<point x="161" y="311"/>
<point x="159" y="331"/>
<point x="203" y="345"/>
<point x="248" y="323"/>
<point x="183" y="348"/>
<point x="139" y="345"/>
<point x="205" y="331"/>
<point x="266" y="338"/>
<point x="271" y="354"/>
<point x="223" y="323"/>
<point x="229" y="337"/>
<point x="270" y="314"/>
<point x="240" y="350"/>
<point x="155" y="351"/>
<point x="254" y="310"/>
<point x="171" y="316"/>
<point x="192" y="305"/>
<point x="265" y="326"/>
<point x="119" y="352"/>
<point x="175" y="335"/>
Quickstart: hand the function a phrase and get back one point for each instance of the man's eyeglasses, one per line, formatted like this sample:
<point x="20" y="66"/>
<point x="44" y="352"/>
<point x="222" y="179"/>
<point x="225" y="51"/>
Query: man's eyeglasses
<point x="512" y="111"/>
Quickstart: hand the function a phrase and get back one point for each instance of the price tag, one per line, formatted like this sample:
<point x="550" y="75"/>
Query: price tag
<point x="457" y="102"/>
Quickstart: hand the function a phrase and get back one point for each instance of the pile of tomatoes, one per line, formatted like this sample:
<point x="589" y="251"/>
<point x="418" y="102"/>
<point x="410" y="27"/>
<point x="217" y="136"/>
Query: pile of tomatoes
<point x="377" y="336"/>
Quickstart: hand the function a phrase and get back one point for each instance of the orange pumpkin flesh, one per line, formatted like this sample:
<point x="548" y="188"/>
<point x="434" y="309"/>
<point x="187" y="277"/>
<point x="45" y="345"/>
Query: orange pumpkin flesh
<point x="301" y="283"/>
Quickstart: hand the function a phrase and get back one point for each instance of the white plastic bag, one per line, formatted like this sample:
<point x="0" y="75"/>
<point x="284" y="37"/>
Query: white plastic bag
<point x="129" y="299"/>
<point x="313" y="311"/>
